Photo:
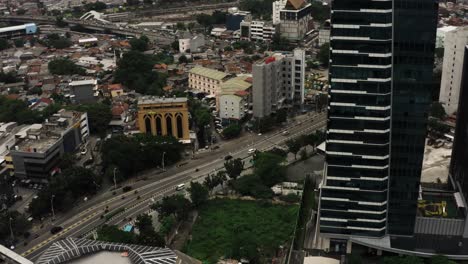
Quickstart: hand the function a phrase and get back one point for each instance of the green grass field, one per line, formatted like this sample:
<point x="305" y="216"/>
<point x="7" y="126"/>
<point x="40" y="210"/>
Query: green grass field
<point x="223" y="226"/>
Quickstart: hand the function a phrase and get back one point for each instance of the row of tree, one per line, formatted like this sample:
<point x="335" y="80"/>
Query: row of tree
<point x="64" y="189"/>
<point x="129" y="155"/>
<point x="13" y="223"/>
<point x="313" y="139"/>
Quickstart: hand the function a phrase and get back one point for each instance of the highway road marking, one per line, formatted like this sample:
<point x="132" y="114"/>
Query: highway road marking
<point x="176" y="177"/>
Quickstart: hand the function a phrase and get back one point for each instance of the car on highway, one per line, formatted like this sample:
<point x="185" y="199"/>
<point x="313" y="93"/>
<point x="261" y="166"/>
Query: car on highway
<point x="228" y="157"/>
<point x="54" y="230"/>
<point x="251" y="151"/>
<point x="180" y="187"/>
<point x="215" y="147"/>
<point x="285" y="133"/>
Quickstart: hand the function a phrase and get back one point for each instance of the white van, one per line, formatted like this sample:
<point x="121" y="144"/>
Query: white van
<point x="180" y="187"/>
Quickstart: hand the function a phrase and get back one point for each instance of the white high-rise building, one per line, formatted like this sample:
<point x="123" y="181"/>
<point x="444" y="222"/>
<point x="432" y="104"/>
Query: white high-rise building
<point x="278" y="81"/>
<point x="277" y="7"/>
<point x="454" y="45"/>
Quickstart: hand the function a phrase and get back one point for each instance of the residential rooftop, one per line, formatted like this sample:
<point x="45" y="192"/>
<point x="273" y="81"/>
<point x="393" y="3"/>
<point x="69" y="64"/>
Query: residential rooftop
<point x="41" y="137"/>
<point x="236" y="84"/>
<point x="158" y="100"/>
<point x="83" y="82"/>
<point x="209" y="73"/>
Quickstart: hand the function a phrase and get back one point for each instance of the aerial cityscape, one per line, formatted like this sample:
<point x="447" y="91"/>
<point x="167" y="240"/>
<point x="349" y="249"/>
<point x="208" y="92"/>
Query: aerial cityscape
<point x="234" y="131"/>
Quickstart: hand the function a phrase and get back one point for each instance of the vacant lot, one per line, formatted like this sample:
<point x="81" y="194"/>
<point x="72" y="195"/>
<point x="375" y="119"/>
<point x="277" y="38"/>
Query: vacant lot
<point x="238" y="228"/>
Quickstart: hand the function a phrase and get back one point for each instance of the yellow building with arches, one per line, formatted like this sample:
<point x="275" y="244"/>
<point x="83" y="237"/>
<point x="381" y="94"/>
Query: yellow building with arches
<point x="164" y="117"/>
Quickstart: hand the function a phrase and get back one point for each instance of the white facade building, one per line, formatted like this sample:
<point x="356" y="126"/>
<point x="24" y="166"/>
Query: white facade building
<point x="234" y="98"/>
<point x="455" y="42"/>
<point x="441" y="32"/>
<point x="277" y="7"/>
<point x="191" y="43"/>
<point x="257" y="30"/>
<point x="206" y="80"/>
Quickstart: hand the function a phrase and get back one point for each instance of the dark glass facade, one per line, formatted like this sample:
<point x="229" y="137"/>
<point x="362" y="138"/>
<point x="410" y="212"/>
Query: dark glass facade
<point x="381" y="59"/>
<point x="459" y="162"/>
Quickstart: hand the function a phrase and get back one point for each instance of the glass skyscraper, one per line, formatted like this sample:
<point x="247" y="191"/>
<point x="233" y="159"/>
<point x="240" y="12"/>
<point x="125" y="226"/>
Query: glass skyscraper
<point x="381" y="60"/>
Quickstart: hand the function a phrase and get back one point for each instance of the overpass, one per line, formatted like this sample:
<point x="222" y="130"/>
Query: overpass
<point x="92" y="25"/>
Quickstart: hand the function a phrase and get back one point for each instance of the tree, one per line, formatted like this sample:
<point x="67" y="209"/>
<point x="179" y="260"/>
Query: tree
<point x="150" y="238"/>
<point x="99" y="116"/>
<point x="35" y="90"/>
<point x="64" y="66"/>
<point x="403" y="260"/>
<point x="437" y="110"/>
<point x="180" y="26"/>
<point x="114" y="234"/>
<point x="17" y="111"/>
<point x="202" y="117"/>
<point x="252" y="185"/>
<point x="269" y="169"/>
<point x="183" y="59"/>
<point x="19" y="43"/>
<point x="144" y="223"/>
<point x="220" y="178"/>
<point x="4" y="44"/>
<point x="9" y="77"/>
<point x="294" y="146"/>
<point x="440" y="259"/>
<point x="135" y="70"/>
<point x="232" y="131"/>
<point x="20" y="12"/>
<point x="354" y="259"/>
<point x="59" y="22"/>
<point x="198" y="194"/>
<point x="234" y="168"/>
<point x="320" y="11"/>
<point x="175" y="45"/>
<point x="140" y="44"/>
<point x="19" y="225"/>
<point x="175" y="205"/>
<point x="324" y="54"/>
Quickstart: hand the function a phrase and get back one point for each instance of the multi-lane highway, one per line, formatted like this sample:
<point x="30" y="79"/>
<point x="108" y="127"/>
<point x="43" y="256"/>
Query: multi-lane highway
<point x="88" y="216"/>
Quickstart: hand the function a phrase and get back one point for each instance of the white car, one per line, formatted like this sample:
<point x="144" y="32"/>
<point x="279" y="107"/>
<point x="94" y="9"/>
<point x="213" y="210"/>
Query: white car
<point x="251" y="151"/>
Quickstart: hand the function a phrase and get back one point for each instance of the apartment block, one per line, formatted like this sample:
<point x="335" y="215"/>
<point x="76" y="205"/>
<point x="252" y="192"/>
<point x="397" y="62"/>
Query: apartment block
<point x="206" y="80"/>
<point x="257" y="30"/>
<point x="454" y="44"/>
<point x="278" y="81"/>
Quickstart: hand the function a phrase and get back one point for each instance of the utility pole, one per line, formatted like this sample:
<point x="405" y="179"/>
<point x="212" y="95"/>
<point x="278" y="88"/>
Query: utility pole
<point x="52" y="206"/>
<point x="11" y="231"/>
<point x="164" y="153"/>
<point x="115" y="182"/>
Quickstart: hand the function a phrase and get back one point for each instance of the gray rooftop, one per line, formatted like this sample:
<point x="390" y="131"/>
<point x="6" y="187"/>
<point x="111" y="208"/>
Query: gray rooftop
<point x="158" y="100"/>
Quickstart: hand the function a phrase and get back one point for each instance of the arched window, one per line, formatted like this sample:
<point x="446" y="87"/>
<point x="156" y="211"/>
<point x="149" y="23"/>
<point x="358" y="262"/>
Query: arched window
<point x="180" y="128"/>
<point x="158" y="126"/>
<point x="169" y="125"/>
<point x="148" y="124"/>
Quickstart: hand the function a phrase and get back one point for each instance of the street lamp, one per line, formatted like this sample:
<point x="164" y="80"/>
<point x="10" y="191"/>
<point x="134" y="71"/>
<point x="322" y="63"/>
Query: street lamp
<point x="115" y="182"/>
<point x="11" y="231"/>
<point x="164" y="153"/>
<point x="52" y="206"/>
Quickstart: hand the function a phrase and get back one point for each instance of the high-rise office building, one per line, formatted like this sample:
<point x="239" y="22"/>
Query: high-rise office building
<point x="458" y="164"/>
<point x="454" y="45"/>
<point x="381" y="60"/>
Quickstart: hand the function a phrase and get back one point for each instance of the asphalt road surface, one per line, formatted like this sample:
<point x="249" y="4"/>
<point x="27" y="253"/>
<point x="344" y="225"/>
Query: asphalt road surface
<point x="86" y="217"/>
